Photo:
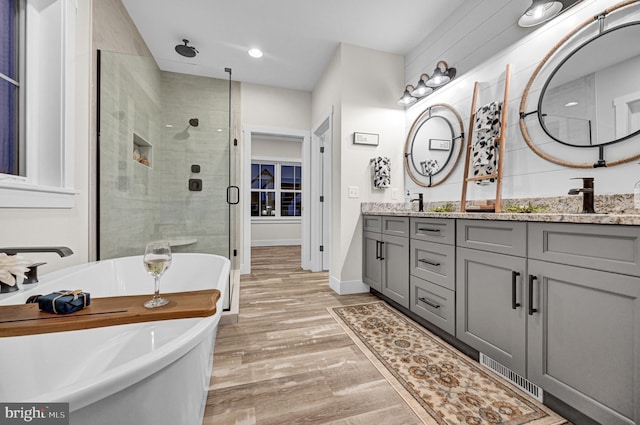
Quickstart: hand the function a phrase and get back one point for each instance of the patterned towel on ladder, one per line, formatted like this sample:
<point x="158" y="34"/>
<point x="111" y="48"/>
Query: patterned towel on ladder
<point x="381" y="172"/>
<point x="486" y="130"/>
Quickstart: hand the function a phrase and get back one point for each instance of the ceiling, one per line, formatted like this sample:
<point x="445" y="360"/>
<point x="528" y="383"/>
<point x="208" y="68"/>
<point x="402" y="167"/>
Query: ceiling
<point x="298" y="37"/>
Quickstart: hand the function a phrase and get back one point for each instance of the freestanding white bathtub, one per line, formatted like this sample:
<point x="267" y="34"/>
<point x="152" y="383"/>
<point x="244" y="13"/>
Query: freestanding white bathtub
<point x="144" y="373"/>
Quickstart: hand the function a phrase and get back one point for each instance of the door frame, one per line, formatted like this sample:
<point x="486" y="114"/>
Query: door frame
<point x="247" y="132"/>
<point x="320" y="169"/>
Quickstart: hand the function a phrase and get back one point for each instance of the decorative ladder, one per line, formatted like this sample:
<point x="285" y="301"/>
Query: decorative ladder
<point x="500" y="142"/>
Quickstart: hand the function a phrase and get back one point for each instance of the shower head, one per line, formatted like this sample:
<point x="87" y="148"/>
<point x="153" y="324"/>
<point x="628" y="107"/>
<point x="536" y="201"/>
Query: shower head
<point x="186" y="50"/>
<point x="193" y="122"/>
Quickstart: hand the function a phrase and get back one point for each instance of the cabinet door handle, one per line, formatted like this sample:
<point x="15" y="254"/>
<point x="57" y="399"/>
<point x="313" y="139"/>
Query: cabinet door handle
<point x="429" y="262"/>
<point x="377" y="250"/>
<point x="426" y="229"/>
<point x="531" y="309"/>
<point x="514" y="278"/>
<point x="429" y="303"/>
<point x="381" y="250"/>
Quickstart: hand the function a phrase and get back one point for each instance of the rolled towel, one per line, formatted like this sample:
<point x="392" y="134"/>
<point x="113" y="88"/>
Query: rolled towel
<point x="64" y="301"/>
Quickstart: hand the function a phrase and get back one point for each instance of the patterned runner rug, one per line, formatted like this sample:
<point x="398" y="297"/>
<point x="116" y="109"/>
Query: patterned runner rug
<point x="440" y="384"/>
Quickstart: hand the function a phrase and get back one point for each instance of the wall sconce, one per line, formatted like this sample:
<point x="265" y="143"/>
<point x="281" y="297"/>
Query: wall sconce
<point x="441" y="77"/>
<point x="422" y="89"/>
<point x="427" y="85"/>
<point x="407" y="99"/>
<point x="540" y="11"/>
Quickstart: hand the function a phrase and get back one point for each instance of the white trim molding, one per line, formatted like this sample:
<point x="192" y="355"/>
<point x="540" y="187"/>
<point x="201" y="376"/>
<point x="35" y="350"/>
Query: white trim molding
<point x="277" y="242"/>
<point x="348" y="287"/>
<point x="248" y="131"/>
<point x="50" y="95"/>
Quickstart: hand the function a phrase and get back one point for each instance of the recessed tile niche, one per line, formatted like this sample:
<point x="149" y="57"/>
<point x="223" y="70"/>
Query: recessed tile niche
<point x="142" y="151"/>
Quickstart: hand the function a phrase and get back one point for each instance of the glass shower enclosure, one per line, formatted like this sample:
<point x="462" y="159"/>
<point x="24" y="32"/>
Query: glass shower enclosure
<point x="166" y="160"/>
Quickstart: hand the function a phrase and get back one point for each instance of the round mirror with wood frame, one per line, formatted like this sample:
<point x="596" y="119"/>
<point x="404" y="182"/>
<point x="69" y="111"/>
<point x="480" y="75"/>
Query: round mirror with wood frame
<point x="590" y="98"/>
<point x="433" y="145"/>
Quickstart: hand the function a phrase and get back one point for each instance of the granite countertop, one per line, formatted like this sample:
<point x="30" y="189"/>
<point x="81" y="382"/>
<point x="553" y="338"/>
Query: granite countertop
<point x="613" y="216"/>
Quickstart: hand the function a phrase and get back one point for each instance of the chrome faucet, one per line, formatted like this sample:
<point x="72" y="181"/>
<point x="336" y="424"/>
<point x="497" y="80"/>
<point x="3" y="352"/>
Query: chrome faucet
<point x="31" y="276"/>
<point x="420" y="200"/>
<point x="588" y="193"/>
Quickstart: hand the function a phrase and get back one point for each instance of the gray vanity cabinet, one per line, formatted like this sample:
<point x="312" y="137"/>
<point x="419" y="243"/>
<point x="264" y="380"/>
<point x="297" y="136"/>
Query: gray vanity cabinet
<point x="490" y="295"/>
<point x="385" y="256"/>
<point x="584" y="339"/>
<point x="583" y="320"/>
<point x="432" y="268"/>
<point x="557" y="303"/>
<point x="371" y="265"/>
<point x="489" y="305"/>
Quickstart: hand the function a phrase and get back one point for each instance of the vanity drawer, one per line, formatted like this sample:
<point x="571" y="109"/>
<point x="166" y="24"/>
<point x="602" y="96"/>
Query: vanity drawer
<point x="433" y="303"/>
<point x="441" y="230"/>
<point x="372" y="223"/>
<point x="595" y="246"/>
<point x="503" y="237"/>
<point x="434" y="262"/>
<point x="395" y="226"/>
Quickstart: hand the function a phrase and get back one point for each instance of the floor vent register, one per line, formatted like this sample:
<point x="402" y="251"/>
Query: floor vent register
<point x="524" y="384"/>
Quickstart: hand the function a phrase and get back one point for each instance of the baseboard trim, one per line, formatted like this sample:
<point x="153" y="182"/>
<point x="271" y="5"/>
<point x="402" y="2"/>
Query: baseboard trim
<point x="277" y="242"/>
<point x="348" y="287"/>
<point x="231" y="315"/>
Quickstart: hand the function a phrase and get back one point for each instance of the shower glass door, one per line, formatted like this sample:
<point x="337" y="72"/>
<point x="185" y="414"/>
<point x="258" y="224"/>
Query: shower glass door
<point x="164" y="158"/>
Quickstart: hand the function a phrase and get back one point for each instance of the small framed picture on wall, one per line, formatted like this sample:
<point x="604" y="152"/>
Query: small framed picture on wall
<point x="366" y="139"/>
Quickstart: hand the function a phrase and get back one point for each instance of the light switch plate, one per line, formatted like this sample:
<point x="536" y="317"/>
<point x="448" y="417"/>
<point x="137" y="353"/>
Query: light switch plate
<point x="394" y="194"/>
<point x="354" y="192"/>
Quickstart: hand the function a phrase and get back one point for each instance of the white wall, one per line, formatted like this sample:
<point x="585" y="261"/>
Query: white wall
<point x="275" y="107"/>
<point x="363" y="83"/>
<point x="525" y="173"/>
<point x="271" y="110"/>
<point x="62" y="227"/>
<point x="282" y="232"/>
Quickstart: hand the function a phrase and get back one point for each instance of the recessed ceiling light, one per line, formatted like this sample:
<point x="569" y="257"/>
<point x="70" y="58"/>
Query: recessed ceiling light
<point x="220" y="130"/>
<point x="168" y="125"/>
<point x="571" y="104"/>
<point x="255" y="53"/>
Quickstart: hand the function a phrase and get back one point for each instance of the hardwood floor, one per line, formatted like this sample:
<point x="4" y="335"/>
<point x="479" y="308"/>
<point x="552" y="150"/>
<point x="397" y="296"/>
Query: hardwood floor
<point x="287" y="361"/>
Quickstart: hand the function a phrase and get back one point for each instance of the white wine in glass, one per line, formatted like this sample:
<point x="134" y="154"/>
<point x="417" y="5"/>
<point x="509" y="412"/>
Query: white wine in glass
<point x="157" y="259"/>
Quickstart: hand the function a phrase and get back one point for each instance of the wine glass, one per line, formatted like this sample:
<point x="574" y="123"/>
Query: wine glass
<point x="157" y="259"/>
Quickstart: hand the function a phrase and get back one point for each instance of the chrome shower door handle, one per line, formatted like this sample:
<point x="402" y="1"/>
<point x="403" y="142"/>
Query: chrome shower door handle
<point x="237" y="190"/>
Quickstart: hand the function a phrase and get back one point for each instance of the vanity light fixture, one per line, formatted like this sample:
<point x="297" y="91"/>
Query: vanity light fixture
<point x="255" y="52"/>
<point x="427" y="85"/>
<point x="422" y="89"/>
<point x="540" y="11"/>
<point x="441" y="77"/>
<point x="406" y="98"/>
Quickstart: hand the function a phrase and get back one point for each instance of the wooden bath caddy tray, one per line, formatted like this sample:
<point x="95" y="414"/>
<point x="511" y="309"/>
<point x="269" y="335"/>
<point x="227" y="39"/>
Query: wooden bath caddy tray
<point x="27" y="319"/>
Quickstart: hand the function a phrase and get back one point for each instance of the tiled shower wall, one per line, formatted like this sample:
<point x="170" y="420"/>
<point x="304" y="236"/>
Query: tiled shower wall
<point x="201" y="215"/>
<point x="130" y="103"/>
<point x="139" y="203"/>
